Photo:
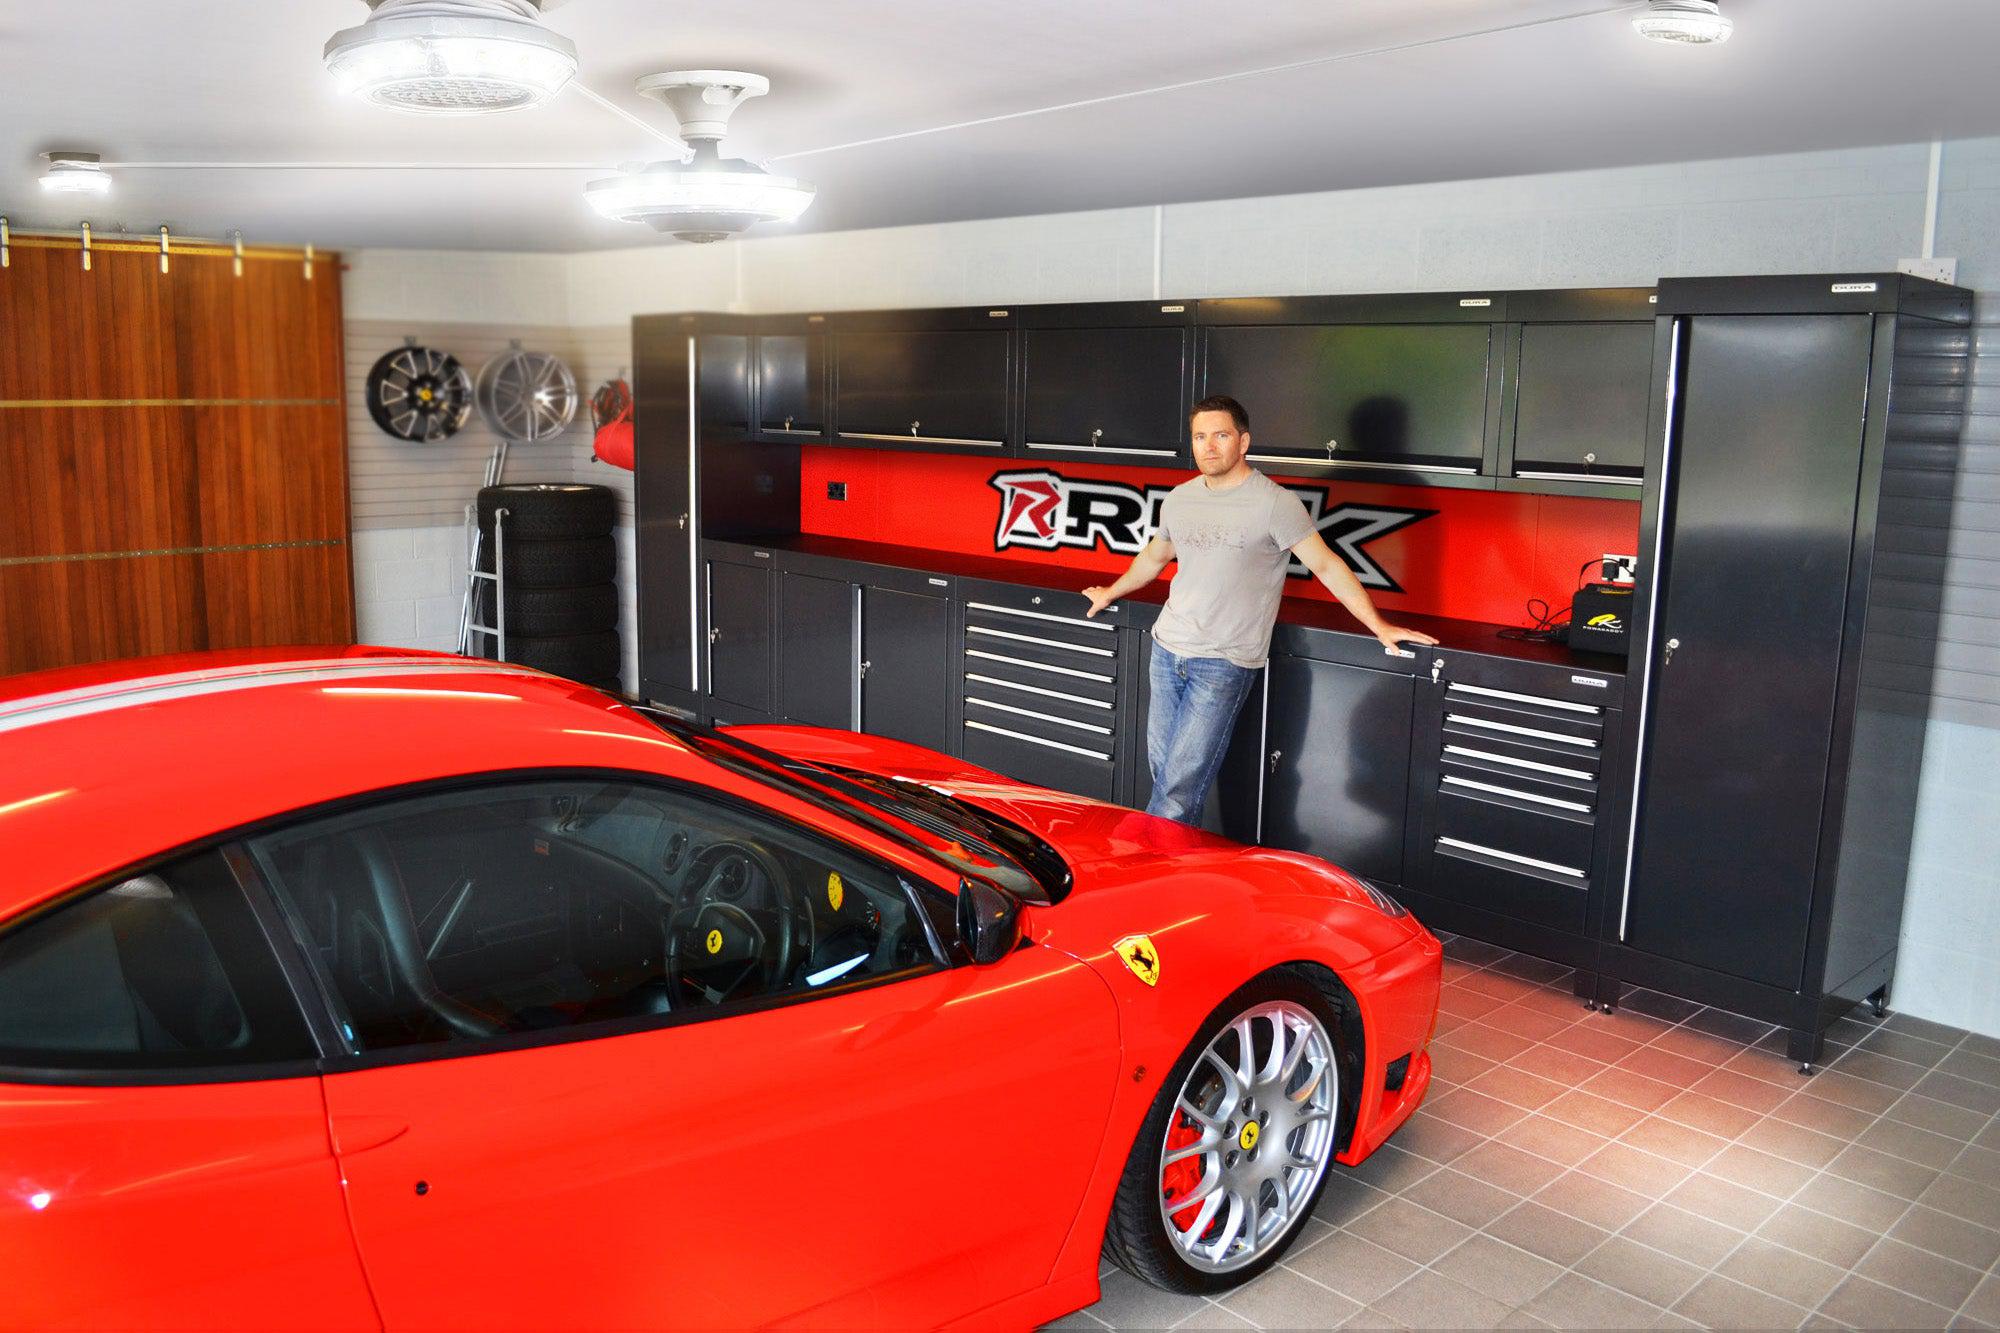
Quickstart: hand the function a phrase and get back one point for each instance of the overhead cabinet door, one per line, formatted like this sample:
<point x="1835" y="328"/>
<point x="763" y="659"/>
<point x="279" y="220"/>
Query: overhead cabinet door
<point x="1580" y="409"/>
<point x="1746" y="641"/>
<point x="1378" y="398"/>
<point x="791" y="386"/>
<point x="722" y="371"/>
<point x="1119" y="393"/>
<point x="939" y="388"/>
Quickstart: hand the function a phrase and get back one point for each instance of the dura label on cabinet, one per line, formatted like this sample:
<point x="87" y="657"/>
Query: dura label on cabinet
<point x="1044" y="511"/>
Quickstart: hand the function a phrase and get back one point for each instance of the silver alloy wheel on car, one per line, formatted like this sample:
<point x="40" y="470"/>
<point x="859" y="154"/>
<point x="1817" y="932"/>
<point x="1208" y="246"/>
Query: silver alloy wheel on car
<point x="1261" y="1103"/>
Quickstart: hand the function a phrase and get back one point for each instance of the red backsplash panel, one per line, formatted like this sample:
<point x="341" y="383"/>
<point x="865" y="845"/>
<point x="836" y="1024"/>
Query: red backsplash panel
<point x="1471" y="555"/>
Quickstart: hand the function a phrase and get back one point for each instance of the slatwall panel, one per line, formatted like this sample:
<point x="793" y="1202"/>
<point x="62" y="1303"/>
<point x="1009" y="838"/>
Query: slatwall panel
<point x="1934" y="632"/>
<point x="398" y="484"/>
<point x="173" y="470"/>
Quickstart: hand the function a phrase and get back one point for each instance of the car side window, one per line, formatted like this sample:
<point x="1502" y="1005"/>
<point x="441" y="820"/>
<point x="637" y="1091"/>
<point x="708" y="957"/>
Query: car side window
<point x="536" y="905"/>
<point x="161" y="970"/>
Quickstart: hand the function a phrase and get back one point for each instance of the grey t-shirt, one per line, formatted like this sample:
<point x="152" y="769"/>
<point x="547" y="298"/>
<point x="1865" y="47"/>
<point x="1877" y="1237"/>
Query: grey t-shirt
<point x="1233" y="547"/>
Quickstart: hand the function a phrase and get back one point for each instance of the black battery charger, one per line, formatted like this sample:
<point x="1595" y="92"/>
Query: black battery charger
<point x="1598" y="617"/>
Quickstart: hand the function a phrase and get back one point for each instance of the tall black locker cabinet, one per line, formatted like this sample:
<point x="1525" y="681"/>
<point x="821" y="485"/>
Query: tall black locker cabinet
<point x="1775" y="739"/>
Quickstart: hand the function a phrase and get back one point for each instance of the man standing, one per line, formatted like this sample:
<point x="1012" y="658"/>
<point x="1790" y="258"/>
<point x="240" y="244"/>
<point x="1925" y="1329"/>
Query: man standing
<point x="1234" y="530"/>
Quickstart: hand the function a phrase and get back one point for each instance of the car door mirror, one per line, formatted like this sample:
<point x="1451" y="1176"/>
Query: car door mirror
<point x="989" y="920"/>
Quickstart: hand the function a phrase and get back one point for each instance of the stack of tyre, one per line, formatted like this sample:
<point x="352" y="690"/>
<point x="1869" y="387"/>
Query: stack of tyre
<point x="559" y="569"/>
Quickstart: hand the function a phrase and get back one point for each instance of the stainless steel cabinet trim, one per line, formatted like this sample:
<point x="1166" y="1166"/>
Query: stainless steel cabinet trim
<point x="1515" y="857"/>
<point x="1036" y="638"/>
<point x="1039" y="717"/>
<point x="1509" y="760"/>
<point x="920" y="439"/>
<point x="857" y="666"/>
<point x="1037" y="689"/>
<point x="1040" y="666"/>
<point x="1452" y="780"/>
<point x="1078" y="621"/>
<point x="1300" y="460"/>
<point x="1580" y="476"/>
<point x="1537" y="699"/>
<point x="1509" y="727"/>
<point x="696" y="608"/>
<point x="788" y="430"/>
<point x="1036" y="740"/>
<point x="1103" y="449"/>
<point x="1652" y="624"/>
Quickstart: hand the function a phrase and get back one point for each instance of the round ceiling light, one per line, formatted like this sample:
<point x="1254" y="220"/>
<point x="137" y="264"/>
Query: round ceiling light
<point x="1683" y="22"/>
<point x="710" y="197"/>
<point x="75" y="173"/>
<point x="452" y="57"/>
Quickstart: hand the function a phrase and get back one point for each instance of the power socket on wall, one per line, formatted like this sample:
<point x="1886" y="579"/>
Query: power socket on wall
<point x="836" y="490"/>
<point x="1618" y="568"/>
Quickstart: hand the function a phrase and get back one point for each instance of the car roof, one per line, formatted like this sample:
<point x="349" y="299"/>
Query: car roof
<point x="106" y="765"/>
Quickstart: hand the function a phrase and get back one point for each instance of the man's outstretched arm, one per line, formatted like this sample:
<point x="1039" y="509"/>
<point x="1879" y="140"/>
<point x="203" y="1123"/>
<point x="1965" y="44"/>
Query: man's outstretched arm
<point x="1153" y="557"/>
<point x="1331" y="570"/>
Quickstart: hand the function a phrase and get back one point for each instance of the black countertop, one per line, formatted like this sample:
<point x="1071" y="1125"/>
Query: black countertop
<point x="1296" y="615"/>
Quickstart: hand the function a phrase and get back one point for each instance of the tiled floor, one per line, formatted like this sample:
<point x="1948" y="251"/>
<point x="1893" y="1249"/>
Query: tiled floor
<point x="1660" y="1166"/>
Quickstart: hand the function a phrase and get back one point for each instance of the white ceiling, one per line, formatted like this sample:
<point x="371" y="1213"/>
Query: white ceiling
<point x="241" y="80"/>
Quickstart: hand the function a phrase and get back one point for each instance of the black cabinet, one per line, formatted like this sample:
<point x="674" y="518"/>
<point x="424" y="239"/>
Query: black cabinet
<point x="1337" y="763"/>
<point x="1373" y="399"/>
<point x="905" y="686"/>
<point x="934" y="389"/>
<point x="1120" y="394"/>
<point x="665" y="512"/>
<point x="722" y="378"/>
<point x="1583" y="394"/>
<point x="818" y="656"/>
<point x="1750" y="619"/>
<point x="1774" y="741"/>
<point x="1231" y="808"/>
<point x="791" y="387"/>
<point x="740" y="630"/>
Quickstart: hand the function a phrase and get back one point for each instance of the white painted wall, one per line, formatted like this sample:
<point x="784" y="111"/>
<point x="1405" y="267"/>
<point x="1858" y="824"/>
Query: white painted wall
<point x="1854" y="210"/>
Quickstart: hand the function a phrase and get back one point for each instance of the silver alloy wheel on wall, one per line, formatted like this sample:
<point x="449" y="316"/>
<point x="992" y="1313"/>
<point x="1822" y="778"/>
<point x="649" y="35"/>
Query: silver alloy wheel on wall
<point x="526" y="396"/>
<point x="1255" y="1118"/>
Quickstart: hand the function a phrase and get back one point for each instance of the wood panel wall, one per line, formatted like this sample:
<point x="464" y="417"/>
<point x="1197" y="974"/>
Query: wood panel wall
<point x="173" y="453"/>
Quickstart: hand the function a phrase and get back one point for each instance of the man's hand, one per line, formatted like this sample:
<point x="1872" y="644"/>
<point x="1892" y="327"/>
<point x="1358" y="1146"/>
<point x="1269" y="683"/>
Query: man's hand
<point x="1099" y="599"/>
<point x="1393" y="637"/>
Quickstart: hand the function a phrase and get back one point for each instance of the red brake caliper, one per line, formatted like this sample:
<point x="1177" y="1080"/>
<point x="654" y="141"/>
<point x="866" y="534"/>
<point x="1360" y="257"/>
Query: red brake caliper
<point x="1182" y="1176"/>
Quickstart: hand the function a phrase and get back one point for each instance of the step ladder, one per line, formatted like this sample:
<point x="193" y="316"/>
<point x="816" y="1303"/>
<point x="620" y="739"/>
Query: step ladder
<point x="468" y="622"/>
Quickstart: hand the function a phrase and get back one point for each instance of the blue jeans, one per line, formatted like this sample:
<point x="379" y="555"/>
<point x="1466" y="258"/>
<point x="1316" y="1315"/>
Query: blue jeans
<point x="1190" y="715"/>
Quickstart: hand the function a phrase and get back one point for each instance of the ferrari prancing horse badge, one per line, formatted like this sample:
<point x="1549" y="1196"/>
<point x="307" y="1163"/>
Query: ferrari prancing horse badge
<point x="1140" y="955"/>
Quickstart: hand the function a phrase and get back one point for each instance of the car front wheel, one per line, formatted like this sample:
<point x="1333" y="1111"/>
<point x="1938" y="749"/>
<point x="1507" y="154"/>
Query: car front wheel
<point x="1236" y="1148"/>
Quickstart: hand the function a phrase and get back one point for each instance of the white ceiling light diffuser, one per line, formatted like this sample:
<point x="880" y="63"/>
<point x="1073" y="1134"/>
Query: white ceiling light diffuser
<point x="452" y="57"/>
<point x="710" y="197"/>
<point x="1683" y="22"/>
<point x="75" y="173"/>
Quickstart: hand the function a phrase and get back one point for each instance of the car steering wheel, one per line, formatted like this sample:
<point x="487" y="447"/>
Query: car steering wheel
<point x="716" y="946"/>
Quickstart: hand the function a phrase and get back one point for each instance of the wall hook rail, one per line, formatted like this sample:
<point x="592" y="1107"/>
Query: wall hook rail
<point x="86" y="247"/>
<point x="163" y="249"/>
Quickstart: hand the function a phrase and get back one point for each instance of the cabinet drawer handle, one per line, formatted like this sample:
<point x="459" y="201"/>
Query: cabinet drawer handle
<point x="1513" y="730"/>
<point x="1041" y="666"/>
<point x="1512" y="762"/>
<point x="1536" y="699"/>
<point x="1515" y="857"/>
<point x="1077" y="621"/>
<point x="1078" y="699"/>
<point x="1039" y="717"/>
<point x="1037" y="740"/>
<point x="1578" y="806"/>
<point x="1035" y="638"/>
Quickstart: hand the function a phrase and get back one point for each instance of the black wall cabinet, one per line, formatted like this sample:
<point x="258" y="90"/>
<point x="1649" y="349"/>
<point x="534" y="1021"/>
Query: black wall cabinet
<point x="933" y="389"/>
<point x="1119" y="394"/>
<point x="1582" y="399"/>
<point x="723" y="381"/>
<point x="1362" y="398"/>
<point x="791" y="387"/>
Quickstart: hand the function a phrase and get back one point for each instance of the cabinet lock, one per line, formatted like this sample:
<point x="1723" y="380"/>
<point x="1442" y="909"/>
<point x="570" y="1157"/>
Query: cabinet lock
<point x="914" y="426"/>
<point x="864" y="671"/>
<point x="682" y="522"/>
<point x="714" y="633"/>
<point x="1097" y="435"/>
<point x="788" y="423"/>
<point x="1331" y="445"/>
<point x="1271" y="765"/>
<point x="1671" y="645"/>
<point x="1437" y="669"/>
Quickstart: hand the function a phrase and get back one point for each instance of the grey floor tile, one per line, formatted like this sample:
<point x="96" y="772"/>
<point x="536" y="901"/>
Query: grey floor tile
<point x="1575" y="1301"/>
<point x="1283" y="1299"/>
<point x="1638" y="1271"/>
<point x="1695" y="1240"/>
<point x="1356" y="1268"/>
<point x="1826" y="1238"/>
<point x="1127" y="1302"/>
<point x="1505" y="1272"/>
<point x="1777" y="1271"/>
<point x="1920" y="1273"/>
<point x="1461" y="1197"/>
<point x="1214" y="1316"/>
<point x="1718" y="1302"/>
<point x="1860" y="1303"/>
<point x="1432" y="1301"/>
<point x="1953" y="1237"/>
<point x="1547" y="1233"/>
<point x="1413" y="1232"/>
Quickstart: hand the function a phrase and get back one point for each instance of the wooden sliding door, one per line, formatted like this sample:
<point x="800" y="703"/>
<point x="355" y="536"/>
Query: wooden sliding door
<point x="173" y="453"/>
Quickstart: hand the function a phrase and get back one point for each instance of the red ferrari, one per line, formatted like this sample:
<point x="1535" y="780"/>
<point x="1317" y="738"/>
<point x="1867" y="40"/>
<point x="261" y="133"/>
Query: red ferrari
<point x="365" y="987"/>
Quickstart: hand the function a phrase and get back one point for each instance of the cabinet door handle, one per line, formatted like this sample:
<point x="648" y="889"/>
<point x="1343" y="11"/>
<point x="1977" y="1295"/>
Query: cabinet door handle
<point x="1272" y="765"/>
<point x="1671" y="645"/>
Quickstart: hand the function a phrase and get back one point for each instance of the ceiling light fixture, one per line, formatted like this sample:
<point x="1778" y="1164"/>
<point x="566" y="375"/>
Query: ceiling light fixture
<point x="75" y="173"/>
<point x="452" y="57"/>
<point x="709" y="197"/>
<point x="1683" y="22"/>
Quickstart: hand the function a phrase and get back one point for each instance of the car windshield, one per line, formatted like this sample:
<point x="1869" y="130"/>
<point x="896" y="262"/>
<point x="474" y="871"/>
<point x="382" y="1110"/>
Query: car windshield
<point x="962" y="837"/>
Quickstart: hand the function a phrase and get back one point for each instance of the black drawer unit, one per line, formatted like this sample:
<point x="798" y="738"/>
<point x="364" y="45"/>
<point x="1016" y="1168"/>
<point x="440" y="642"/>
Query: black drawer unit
<point x="1040" y="695"/>
<point x="1511" y="767"/>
